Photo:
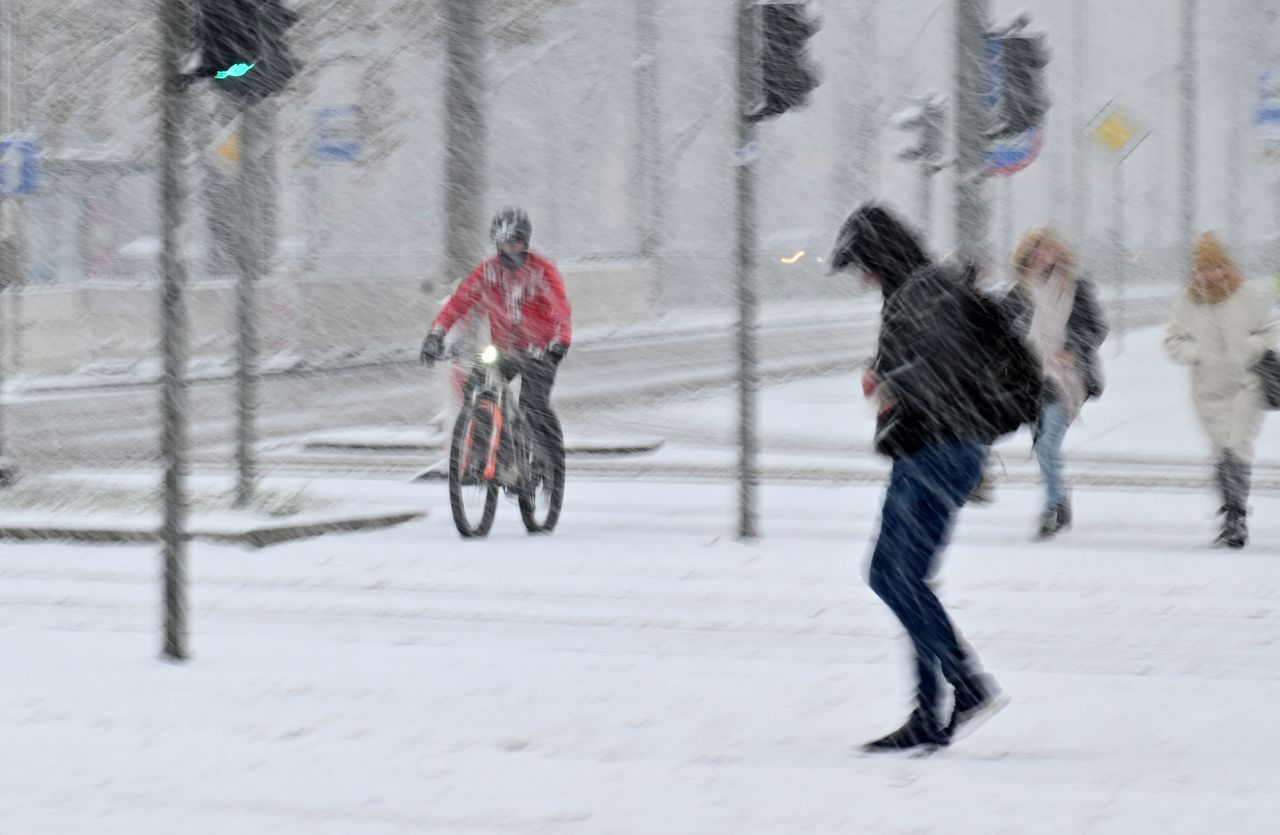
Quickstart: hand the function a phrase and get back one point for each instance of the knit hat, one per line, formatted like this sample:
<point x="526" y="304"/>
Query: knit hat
<point x="1210" y="253"/>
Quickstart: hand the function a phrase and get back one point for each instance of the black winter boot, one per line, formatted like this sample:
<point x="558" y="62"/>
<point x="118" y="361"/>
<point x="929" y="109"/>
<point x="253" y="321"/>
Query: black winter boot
<point x="1235" y="531"/>
<point x="920" y="731"/>
<point x="1233" y="482"/>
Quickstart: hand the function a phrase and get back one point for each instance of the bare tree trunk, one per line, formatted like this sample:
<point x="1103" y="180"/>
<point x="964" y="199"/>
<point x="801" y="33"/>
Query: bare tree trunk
<point x="466" y="136"/>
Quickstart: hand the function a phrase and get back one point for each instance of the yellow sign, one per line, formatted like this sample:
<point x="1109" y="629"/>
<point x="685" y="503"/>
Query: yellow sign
<point x="1117" y="131"/>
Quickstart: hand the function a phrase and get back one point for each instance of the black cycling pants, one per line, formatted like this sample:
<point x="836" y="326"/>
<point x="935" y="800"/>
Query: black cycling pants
<point x="537" y="376"/>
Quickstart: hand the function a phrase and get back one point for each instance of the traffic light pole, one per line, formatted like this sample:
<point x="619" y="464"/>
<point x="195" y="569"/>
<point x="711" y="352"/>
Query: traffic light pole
<point x="173" y="331"/>
<point x="746" y="152"/>
<point x="249" y="251"/>
<point x="972" y="215"/>
<point x="927" y="170"/>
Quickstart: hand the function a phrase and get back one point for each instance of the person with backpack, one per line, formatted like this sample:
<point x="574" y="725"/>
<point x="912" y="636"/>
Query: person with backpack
<point x="947" y="382"/>
<point x="1057" y="311"/>
<point x="1220" y="327"/>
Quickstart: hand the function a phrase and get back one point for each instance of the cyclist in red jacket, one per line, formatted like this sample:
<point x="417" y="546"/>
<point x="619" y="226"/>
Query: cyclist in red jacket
<point x="523" y="296"/>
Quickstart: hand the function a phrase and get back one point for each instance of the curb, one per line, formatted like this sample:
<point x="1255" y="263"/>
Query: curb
<point x="256" y="536"/>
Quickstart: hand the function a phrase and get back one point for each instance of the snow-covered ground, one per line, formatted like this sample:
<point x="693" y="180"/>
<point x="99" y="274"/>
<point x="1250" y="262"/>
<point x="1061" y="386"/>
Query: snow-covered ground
<point x="641" y="671"/>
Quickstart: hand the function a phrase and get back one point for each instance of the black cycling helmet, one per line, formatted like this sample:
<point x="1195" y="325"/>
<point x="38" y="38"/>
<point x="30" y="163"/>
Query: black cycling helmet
<point x="511" y="224"/>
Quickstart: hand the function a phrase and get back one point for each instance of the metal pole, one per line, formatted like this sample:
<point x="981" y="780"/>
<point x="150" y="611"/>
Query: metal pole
<point x="748" y="382"/>
<point x="249" y="256"/>
<point x="1079" y="190"/>
<point x="648" y="123"/>
<point x="1119" y="266"/>
<point x="465" y="136"/>
<point x="1237" y="117"/>
<point x="926" y="196"/>
<point x="173" y="330"/>
<point x="972" y="208"/>
<point x="1006" y="227"/>
<point x="1187" y="76"/>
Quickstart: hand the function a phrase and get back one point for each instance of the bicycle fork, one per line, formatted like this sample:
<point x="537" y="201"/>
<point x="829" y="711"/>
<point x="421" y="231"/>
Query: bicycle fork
<point x="495" y="440"/>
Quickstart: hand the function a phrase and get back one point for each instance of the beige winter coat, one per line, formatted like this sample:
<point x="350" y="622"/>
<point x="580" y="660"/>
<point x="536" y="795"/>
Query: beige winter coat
<point x="1221" y="342"/>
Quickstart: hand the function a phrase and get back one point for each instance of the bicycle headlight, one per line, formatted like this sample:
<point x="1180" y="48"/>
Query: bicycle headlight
<point x="489" y="355"/>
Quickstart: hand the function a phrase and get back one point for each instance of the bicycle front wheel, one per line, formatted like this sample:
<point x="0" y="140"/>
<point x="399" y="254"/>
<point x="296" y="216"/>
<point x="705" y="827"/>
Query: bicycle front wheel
<point x="473" y="497"/>
<point x="543" y="492"/>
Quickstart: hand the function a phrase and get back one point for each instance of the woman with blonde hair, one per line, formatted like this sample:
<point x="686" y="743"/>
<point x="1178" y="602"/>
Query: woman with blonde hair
<point x="1221" y="326"/>
<point x="1057" y="311"/>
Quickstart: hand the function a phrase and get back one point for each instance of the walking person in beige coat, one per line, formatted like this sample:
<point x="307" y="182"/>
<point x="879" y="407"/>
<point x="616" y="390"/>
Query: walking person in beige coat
<point x="1221" y="326"/>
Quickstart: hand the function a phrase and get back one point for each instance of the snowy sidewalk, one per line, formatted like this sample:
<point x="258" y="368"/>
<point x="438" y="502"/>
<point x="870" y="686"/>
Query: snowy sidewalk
<point x="128" y="508"/>
<point x="640" y="672"/>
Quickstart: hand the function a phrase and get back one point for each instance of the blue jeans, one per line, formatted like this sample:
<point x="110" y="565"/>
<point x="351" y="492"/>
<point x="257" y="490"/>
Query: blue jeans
<point x="925" y="491"/>
<point x="1049" y="435"/>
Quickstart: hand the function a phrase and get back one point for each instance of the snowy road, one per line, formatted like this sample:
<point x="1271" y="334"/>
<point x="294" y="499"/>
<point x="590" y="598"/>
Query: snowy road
<point x="118" y="426"/>
<point x="641" y="672"/>
<point x="608" y="372"/>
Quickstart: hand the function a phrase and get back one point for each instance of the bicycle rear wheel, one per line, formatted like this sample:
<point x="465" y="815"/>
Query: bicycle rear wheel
<point x="473" y="498"/>
<point x="542" y="494"/>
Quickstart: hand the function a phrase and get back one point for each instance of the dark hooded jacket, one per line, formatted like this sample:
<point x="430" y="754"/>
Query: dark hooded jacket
<point x="935" y="349"/>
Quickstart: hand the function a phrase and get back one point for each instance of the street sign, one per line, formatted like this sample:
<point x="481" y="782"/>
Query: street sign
<point x="19" y="164"/>
<point x="1117" y="130"/>
<point x="1267" y="115"/>
<point x="1009" y="156"/>
<point x="337" y="134"/>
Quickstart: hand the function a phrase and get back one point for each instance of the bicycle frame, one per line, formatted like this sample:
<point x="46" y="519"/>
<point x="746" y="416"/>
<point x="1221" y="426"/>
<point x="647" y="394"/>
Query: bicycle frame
<point x="487" y="377"/>
<point x="508" y="456"/>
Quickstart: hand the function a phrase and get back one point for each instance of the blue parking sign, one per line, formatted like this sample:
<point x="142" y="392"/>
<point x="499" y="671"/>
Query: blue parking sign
<point x="1266" y="116"/>
<point x="19" y="164"/>
<point x="1268" y="112"/>
<point x="338" y="134"/>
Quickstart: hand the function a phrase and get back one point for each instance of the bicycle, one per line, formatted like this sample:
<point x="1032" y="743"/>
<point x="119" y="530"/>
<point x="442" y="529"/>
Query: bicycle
<point x="494" y="448"/>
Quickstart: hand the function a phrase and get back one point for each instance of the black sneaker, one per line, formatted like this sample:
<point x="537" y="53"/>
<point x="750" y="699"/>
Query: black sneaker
<point x="1064" y="514"/>
<point x="920" y="732"/>
<point x="977" y="699"/>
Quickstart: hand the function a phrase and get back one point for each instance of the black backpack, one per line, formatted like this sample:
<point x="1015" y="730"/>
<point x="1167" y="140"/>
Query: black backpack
<point x="1010" y="394"/>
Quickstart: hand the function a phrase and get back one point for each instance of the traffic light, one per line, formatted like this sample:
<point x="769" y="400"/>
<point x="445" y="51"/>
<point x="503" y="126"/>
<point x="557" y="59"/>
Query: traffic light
<point x="787" y="75"/>
<point x="243" y="47"/>
<point x="1023" y="101"/>
<point x="927" y="119"/>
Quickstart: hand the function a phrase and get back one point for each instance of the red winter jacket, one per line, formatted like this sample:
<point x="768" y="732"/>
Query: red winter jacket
<point x="527" y="308"/>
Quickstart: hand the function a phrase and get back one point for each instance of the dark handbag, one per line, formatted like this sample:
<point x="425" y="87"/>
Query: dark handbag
<point x="1268" y="368"/>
